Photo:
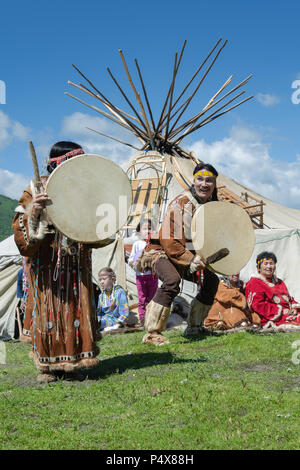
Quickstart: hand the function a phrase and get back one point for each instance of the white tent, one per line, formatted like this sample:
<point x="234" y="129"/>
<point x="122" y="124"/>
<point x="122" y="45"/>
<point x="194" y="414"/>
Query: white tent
<point x="10" y="263"/>
<point x="281" y="235"/>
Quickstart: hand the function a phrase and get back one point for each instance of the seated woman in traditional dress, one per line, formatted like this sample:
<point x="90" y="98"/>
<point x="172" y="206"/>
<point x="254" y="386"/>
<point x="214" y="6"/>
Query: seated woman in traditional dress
<point x="112" y="310"/>
<point x="268" y="296"/>
<point x="230" y="309"/>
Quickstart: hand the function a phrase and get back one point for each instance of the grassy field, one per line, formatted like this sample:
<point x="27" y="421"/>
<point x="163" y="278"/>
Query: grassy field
<point x="238" y="391"/>
<point x="7" y="207"/>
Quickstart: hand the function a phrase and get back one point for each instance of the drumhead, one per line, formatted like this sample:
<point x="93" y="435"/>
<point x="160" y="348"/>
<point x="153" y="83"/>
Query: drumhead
<point x="217" y="225"/>
<point x="90" y="198"/>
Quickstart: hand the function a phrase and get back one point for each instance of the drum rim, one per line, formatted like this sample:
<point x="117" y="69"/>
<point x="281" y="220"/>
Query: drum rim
<point x="95" y="240"/>
<point x="236" y="207"/>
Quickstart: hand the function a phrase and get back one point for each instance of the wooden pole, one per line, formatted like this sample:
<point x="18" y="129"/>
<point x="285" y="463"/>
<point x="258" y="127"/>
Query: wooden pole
<point x="37" y="180"/>
<point x="171" y="97"/>
<point x="127" y="100"/>
<point x="207" y="120"/>
<point x="109" y="104"/>
<point x="198" y="86"/>
<point x="140" y="133"/>
<point x="219" y="109"/>
<point x="209" y="105"/>
<point x="191" y="80"/>
<point x="111" y="108"/>
<point x="113" y="138"/>
<point x="137" y="95"/>
<point x="167" y="98"/>
<point x="145" y="93"/>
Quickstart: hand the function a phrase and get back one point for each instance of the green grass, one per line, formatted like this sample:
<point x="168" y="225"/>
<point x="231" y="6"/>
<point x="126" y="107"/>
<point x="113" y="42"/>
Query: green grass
<point x="238" y="391"/>
<point x="7" y="207"/>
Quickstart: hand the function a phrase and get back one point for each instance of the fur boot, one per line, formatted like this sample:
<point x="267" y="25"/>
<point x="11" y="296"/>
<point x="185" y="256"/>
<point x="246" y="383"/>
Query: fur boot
<point x="197" y="315"/>
<point x="45" y="378"/>
<point x="155" y="321"/>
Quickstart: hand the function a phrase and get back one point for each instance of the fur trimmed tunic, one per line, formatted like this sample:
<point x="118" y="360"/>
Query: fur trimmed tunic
<point x="174" y="238"/>
<point x="63" y="323"/>
<point x="269" y="299"/>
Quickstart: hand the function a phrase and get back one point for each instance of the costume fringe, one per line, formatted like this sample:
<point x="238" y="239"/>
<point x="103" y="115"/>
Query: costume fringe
<point x="85" y="363"/>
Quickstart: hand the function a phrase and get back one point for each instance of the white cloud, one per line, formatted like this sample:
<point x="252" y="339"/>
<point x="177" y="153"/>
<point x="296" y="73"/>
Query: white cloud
<point x="245" y="157"/>
<point x="267" y="100"/>
<point x="12" y="184"/>
<point x="10" y="130"/>
<point x="74" y="128"/>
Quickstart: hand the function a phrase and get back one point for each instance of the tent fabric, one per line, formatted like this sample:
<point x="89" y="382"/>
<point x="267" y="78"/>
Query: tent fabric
<point x="8" y="301"/>
<point x="8" y="247"/>
<point x="285" y="243"/>
<point x="10" y="263"/>
<point x="275" y="215"/>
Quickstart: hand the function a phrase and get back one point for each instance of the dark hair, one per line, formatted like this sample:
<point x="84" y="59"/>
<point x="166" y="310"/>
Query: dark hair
<point x="142" y="222"/>
<point x="265" y="254"/>
<point x="208" y="167"/>
<point x="58" y="149"/>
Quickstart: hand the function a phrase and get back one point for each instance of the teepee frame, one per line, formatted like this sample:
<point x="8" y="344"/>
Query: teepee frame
<point x="167" y="133"/>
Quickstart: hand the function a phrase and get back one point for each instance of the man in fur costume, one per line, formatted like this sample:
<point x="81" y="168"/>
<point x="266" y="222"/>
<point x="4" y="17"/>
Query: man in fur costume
<point x="173" y="258"/>
<point x="230" y="308"/>
<point x="63" y="321"/>
<point x="268" y="296"/>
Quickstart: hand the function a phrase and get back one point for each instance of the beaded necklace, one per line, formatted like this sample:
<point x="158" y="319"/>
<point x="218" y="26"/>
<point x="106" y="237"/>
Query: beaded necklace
<point x="108" y="299"/>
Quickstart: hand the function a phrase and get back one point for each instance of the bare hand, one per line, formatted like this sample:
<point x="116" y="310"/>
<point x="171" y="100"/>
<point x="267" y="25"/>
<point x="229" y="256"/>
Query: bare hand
<point x="38" y="203"/>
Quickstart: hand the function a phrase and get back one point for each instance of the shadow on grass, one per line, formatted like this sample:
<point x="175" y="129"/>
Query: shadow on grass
<point x="196" y="338"/>
<point x="119" y="364"/>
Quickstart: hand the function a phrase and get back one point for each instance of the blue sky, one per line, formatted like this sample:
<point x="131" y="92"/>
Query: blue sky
<point x="41" y="40"/>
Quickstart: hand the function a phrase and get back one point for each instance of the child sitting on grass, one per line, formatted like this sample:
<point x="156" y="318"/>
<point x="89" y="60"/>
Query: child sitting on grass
<point x="112" y="309"/>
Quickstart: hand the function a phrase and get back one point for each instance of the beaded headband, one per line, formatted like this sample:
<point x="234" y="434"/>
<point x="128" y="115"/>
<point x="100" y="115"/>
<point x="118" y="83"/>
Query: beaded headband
<point x="264" y="259"/>
<point x="204" y="173"/>
<point x="62" y="158"/>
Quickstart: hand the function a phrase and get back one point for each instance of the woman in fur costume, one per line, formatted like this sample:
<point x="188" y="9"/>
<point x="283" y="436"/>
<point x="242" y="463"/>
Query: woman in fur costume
<point x="63" y="324"/>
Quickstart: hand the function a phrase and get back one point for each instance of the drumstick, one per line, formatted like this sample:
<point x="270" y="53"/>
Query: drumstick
<point x="36" y="173"/>
<point x="217" y="256"/>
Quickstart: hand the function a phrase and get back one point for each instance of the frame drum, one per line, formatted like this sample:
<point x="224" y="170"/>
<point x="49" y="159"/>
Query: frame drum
<point x="90" y="198"/>
<point x="217" y="225"/>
